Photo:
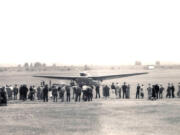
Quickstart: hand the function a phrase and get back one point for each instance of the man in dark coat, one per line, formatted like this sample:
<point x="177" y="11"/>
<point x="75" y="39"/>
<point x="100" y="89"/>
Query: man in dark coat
<point x="78" y="91"/>
<point x="90" y="93"/>
<point x="106" y="90"/>
<point x="138" y="91"/>
<point x="168" y="95"/>
<point x="45" y="93"/>
<point x="54" y="93"/>
<point x="172" y="90"/>
<point x="24" y="92"/>
<point x="97" y="91"/>
<point x="124" y="89"/>
<point x="153" y="92"/>
<point x="31" y="93"/>
<point x="68" y="93"/>
<point x="157" y="90"/>
<point x="20" y="93"/>
<point x="15" y="92"/>
<point x="3" y="97"/>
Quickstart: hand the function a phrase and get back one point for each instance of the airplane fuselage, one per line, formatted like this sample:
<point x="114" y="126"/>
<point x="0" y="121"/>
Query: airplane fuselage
<point x="85" y="81"/>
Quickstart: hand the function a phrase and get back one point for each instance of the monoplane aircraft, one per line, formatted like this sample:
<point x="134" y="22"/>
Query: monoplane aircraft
<point x="84" y="79"/>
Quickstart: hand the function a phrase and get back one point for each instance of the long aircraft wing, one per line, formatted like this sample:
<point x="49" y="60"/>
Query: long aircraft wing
<point x="58" y="77"/>
<point x="101" y="78"/>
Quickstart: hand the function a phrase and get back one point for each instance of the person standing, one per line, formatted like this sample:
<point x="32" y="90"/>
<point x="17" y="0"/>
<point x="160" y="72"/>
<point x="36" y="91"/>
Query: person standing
<point x="68" y="94"/>
<point x="9" y="92"/>
<point x="97" y="91"/>
<point x="168" y="95"/>
<point x="106" y="91"/>
<point x="24" y="92"/>
<point x="31" y="93"/>
<point x="153" y="93"/>
<point x="78" y="93"/>
<point x="128" y="91"/>
<point x="3" y="97"/>
<point x="21" y="93"/>
<point x="74" y="92"/>
<point x="142" y="91"/>
<point x="118" y="90"/>
<point x="45" y="93"/>
<point x="54" y="93"/>
<point x="15" y="92"/>
<point x="61" y="93"/>
<point x="172" y="90"/>
<point x="161" y="89"/>
<point x="157" y="91"/>
<point x="89" y="93"/>
<point x="85" y="92"/>
<point x="39" y="91"/>
<point x="138" y="91"/>
<point x="113" y="88"/>
<point x="178" y="93"/>
<point x="124" y="88"/>
<point x="149" y="89"/>
<point x="59" y="90"/>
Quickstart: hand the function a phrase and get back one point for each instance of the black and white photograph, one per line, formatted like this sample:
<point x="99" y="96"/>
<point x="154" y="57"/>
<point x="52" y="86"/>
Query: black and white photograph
<point x="89" y="67"/>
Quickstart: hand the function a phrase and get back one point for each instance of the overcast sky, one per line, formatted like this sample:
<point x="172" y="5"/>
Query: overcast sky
<point x="89" y="31"/>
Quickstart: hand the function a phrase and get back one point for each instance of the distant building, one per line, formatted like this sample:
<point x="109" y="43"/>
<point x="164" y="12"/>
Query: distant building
<point x="138" y="63"/>
<point x="149" y="67"/>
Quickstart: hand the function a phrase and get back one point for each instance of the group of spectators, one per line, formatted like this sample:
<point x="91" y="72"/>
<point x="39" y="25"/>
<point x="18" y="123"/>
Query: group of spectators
<point x="120" y="91"/>
<point x="85" y="92"/>
<point x="156" y="91"/>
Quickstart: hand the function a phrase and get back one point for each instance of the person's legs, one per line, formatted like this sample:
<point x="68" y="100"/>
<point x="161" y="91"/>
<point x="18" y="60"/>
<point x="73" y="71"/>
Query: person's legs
<point x="99" y="94"/>
<point x="68" y="97"/>
<point x="46" y="98"/>
<point x="76" y="97"/>
<point x="119" y="94"/>
<point x="79" y="97"/>
<point x="53" y="98"/>
<point x="173" y="94"/>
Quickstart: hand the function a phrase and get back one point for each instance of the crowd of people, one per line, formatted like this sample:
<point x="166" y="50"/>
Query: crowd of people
<point x="76" y="92"/>
<point x="157" y="91"/>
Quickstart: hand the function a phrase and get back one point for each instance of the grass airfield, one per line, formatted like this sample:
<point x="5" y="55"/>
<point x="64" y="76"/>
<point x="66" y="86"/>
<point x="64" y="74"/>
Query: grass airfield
<point x="102" y="116"/>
